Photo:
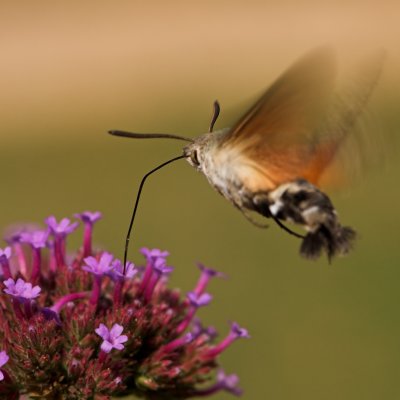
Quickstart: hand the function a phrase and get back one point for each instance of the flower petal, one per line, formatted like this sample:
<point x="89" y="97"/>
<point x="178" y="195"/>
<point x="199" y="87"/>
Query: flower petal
<point x="103" y="332"/>
<point x="106" y="346"/>
<point x="116" y="330"/>
<point x="122" y="339"/>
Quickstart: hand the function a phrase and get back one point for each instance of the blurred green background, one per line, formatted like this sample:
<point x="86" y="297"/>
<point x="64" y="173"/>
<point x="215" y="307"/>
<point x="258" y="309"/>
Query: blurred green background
<point x="72" y="70"/>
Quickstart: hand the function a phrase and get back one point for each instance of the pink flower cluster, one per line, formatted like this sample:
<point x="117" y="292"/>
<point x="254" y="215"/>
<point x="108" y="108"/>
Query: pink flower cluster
<point x="78" y="327"/>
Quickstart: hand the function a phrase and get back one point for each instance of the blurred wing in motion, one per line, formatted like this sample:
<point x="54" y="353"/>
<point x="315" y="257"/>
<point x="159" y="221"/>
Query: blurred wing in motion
<point x="299" y="125"/>
<point x="287" y="142"/>
<point x="348" y="140"/>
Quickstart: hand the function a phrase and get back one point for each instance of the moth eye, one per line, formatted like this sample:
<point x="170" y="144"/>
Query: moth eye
<point x="194" y="157"/>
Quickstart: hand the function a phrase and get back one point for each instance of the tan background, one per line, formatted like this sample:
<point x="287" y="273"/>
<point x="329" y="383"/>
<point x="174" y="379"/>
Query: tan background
<point x="70" y="71"/>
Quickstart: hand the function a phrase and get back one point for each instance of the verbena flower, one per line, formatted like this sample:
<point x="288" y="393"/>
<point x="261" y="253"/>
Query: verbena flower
<point x="21" y="289"/>
<point x="3" y="360"/>
<point x="99" y="266"/>
<point x="117" y="271"/>
<point x="81" y="328"/>
<point x="37" y="239"/>
<point x="112" y="338"/>
<point x="62" y="228"/>
<point x="88" y="218"/>
<point x="5" y="253"/>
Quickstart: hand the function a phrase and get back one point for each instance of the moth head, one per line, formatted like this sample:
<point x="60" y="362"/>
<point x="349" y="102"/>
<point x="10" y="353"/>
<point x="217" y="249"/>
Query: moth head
<point x="193" y="154"/>
<point x="196" y="152"/>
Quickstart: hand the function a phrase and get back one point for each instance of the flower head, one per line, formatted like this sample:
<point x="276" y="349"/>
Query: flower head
<point x="112" y="338"/>
<point x="3" y="360"/>
<point x="21" y="289"/>
<point x="169" y="353"/>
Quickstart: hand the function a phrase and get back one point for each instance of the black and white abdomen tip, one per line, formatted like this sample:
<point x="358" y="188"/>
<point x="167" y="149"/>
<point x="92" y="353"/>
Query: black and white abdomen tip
<point x="302" y="203"/>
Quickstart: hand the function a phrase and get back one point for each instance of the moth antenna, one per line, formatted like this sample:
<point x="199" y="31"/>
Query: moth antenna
<point x="137" y="203"/>
<point x="135" y="135"/>
<point x="216" y="110"/>
<point x="285" y="228"/>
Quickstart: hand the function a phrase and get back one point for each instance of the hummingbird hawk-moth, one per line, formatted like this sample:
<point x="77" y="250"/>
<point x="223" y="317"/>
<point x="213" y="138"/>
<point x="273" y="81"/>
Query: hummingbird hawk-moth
<point x="277" y="157"/>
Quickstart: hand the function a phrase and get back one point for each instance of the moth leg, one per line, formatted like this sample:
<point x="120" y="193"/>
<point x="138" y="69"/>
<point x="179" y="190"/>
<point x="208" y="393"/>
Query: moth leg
<point x="236" y="198"/>
<point x="247" y="215"/>
<point x="262" y="206"/>
<point x="285" y="228"/>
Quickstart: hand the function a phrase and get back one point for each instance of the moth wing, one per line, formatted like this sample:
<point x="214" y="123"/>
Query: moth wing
<point x="347" y="140"/>
<point x="298" y="126"/>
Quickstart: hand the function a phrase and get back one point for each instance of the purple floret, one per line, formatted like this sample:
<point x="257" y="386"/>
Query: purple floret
<point x="88" y="216"/>
<point x="238" y="331"/>
<point x="5" y="253"/>
<point x="229" y="383"/>
<point x="21" y="289"/>
<point x="153" y="254"/>
<point x="117" y="271"/>
<point x="198" y="329"/>
<point x="161" y="268"/>
<point x="98" y="267"/>
<point x="62" y="228"/>
<point x="3" y="360"/>
<point x="37" y="239"/>
<point x="199" y="301"/>
<point x="112" y="338"/>
<point x="209" y="271"/>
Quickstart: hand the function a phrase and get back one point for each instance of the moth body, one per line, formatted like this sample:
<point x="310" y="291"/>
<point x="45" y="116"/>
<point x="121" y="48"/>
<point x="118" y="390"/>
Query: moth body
<point x="297" y="201"/>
